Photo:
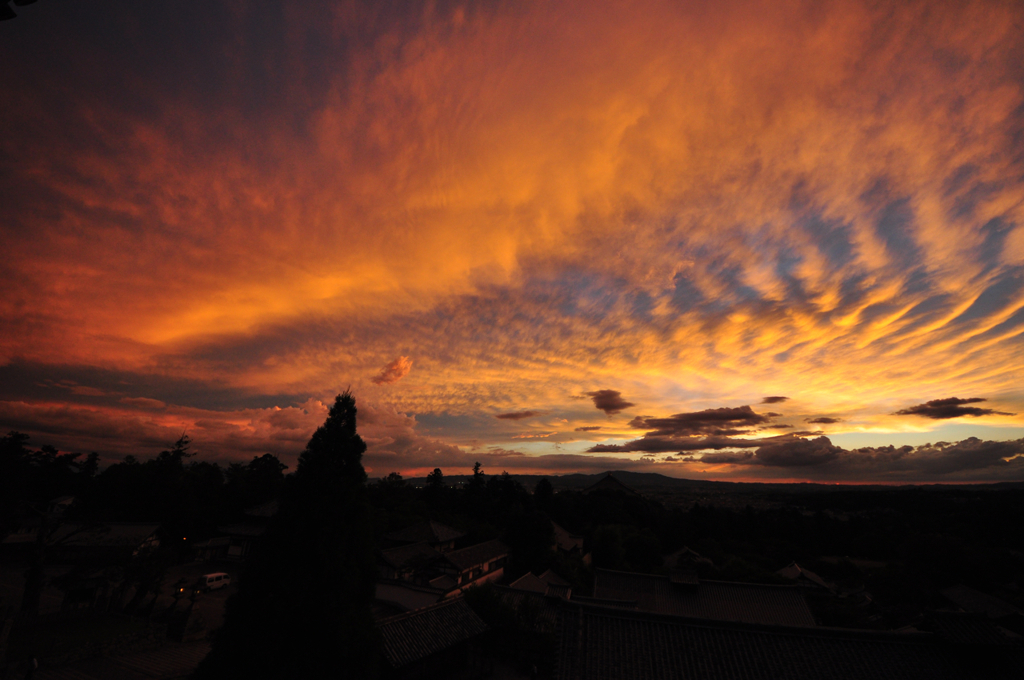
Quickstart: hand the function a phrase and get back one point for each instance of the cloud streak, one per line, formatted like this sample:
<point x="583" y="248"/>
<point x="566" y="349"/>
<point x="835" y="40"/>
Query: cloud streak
<point x="699" y="204"/>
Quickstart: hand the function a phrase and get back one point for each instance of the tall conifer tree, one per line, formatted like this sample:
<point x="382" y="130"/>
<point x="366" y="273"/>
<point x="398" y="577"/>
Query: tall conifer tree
<point x="303" y="606"/>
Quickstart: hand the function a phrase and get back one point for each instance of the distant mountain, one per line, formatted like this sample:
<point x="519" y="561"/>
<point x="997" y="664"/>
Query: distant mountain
<point x="654" y="480"/>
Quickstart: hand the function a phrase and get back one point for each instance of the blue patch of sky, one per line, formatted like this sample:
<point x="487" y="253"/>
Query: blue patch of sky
<point x="994" y="298"/>
<point x="990" y="252"/>
<point x="831" y="237"/>
<point x="686" y="296"/>
<point x="894" y="227"/>
<point x="1016" y="319"/>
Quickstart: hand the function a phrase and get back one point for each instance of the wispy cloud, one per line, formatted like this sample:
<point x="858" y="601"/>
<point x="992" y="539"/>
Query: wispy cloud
<point x="393" y="372"/>
<point x="829" y="208"/>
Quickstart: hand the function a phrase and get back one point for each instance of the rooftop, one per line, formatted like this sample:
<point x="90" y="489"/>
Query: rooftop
<point x="428" y="532"/>
<point x="566" y="541"/>
<point x="476" y="555"/>
<point x="418" y="634"/>
<point x="797" y="573"/>
<point x="105" y="535"/>
<point x="975" y="601"/>
<point x="608" y="644"/>
<point x="530" y="582"/>
<point x="717" y="600"/>
<point x="409" y="556"/>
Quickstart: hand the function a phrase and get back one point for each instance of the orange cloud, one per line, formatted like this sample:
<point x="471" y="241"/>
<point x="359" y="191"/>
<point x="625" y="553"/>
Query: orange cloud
<point x="393" y="372"/>
<point x="697" y="203"/>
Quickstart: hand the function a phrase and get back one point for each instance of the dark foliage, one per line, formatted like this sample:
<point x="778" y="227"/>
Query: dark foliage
<point x="303" y="605"/>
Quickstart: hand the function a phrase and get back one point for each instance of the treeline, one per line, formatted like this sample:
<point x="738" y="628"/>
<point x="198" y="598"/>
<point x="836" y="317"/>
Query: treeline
<point x="919" y="540"/>
<point x="187" y="497"/>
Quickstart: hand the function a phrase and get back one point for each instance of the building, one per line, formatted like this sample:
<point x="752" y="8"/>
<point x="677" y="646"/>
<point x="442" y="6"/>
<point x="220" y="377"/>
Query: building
<point x="440" y="537"/>
<point x="689" y="596"/>
<point x="433" y="642"/>
<point x="567" y="543"/>
<point x="804" y="577"/>
<point x="476" y="564"/>
<point x="602" y="643"/>
<point x="236" y="541"/>
<point x="415" y="562"/>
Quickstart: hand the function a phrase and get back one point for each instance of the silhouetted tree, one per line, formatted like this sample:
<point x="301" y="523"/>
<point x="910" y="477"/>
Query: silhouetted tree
<point x="543" y="492"/>
<point x="303" y="606"/>
<point x="435" y="480"/>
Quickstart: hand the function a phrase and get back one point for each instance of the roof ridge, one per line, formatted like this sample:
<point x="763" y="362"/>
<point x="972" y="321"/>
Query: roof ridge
<point x="773" y="629"/>
<point x="447" y="602"/>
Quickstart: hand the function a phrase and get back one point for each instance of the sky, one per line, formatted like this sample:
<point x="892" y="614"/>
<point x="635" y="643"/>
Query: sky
<point x="778" y="241"/>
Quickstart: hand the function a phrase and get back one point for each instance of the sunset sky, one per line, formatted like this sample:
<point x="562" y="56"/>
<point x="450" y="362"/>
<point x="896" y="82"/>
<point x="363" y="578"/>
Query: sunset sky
<point x="717" y="240"/>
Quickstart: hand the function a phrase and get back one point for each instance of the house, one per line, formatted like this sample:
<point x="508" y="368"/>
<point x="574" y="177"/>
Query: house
<point x="530" y="583"/>
<point x="440" y="537"/>
<point x="476" y="564"/>
<point x="567" y="543"/>
<point x="402" y="596"/>
<point x="549" y="583"/>
<point x="803" y="577"/>
<point x="103" y="542"/>
<point x="59" y="505"/>
<point x="610" y="483"/>
<point x="685" y="558"/>
<point x="433" y="642"/>
<point x="695" y="598"/>
<point x="237" y="541"/>
<point x="602" y="643"/>
<point x="973" y="601"/>
<point x="414" y="562"/>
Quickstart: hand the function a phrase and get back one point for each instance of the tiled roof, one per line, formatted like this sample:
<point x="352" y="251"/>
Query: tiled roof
<point x="443" y="582"/>
<point x="543" y="611"/>
<point x="566" y="541"/>
<point x="243" y="530"/>
<point x="607" y="644"/>
<point x="429" y="532"/>
<point x="795" y="572"/>
<point x="972" y="600"/>
<point x="968" y="629"/>
<point x="684" y="557"/>
<point x="717" y="600"/>
<point x="413" y="555"/>
<point x="553" y="579"/>
<point x="417" y="634"/>
<point x="686" y="577"/>
<point x="529" y="582"/>
<point x="564" y="592"/>
<point x="107" y="535"/>
<point x="268" y="509"/>
<point x="476" y="555"/>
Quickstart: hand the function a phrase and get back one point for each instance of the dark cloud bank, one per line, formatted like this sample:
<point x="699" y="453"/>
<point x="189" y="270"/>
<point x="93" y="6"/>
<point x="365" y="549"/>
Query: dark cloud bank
<point x="941" y="409"/>
<point x="711" y="437"/>
<point x="609" y="401"/>
<point x="819" y="459"/>
<point x="517" y="415"/>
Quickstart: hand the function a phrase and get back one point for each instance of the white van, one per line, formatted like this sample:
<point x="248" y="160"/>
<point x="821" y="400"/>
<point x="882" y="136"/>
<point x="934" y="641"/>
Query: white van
<point x="208" y="582"/>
